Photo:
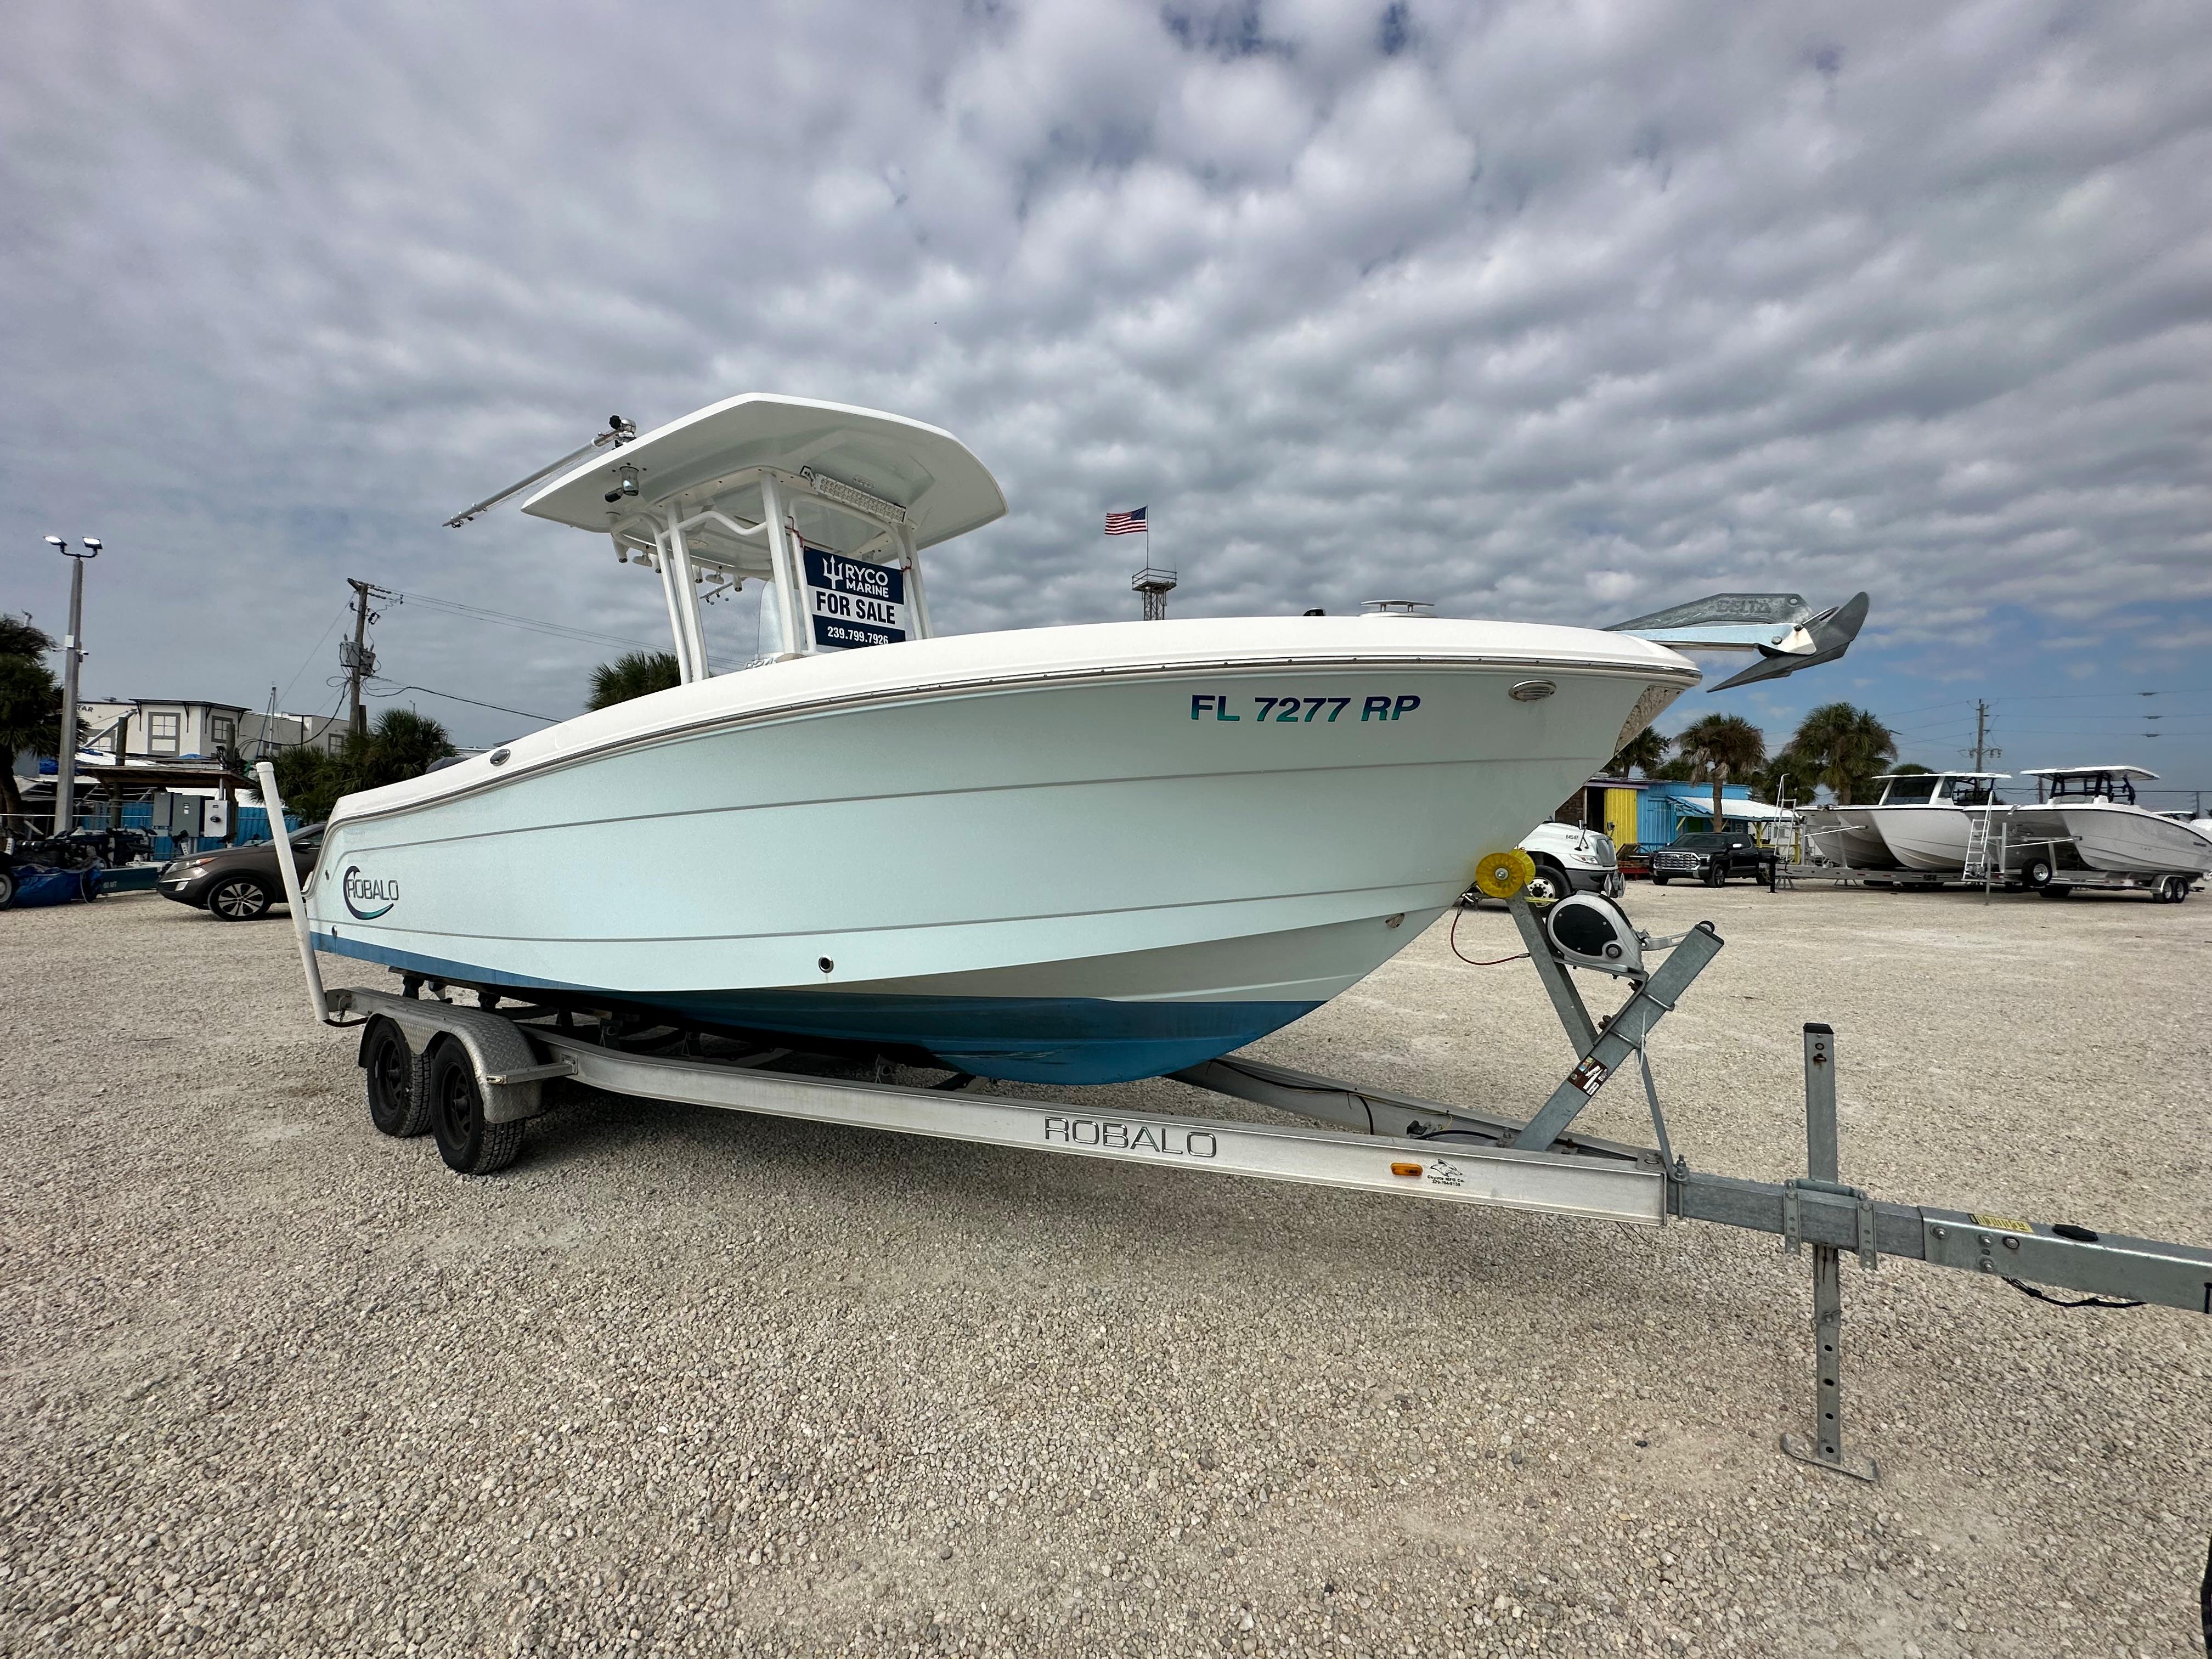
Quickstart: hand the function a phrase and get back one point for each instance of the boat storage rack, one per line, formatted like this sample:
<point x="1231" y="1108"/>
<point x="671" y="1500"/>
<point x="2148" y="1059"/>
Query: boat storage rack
<point x="475" y="1074"/>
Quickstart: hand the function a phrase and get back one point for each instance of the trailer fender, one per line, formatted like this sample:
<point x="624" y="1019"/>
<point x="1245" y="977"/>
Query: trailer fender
<point x="511" y="1072"/>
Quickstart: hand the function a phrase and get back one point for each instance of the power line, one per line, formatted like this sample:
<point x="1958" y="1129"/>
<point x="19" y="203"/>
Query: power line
<point x="536" y="624"/>
<point x="2084" y="696"/>
<point x="1949" y="702"/>
<point x="450" y="696"/>
<point x="310" y="657"/>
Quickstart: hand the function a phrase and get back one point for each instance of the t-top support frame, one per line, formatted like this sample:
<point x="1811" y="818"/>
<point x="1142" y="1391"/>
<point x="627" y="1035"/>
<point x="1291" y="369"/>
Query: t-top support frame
<point x="676" y="555"/>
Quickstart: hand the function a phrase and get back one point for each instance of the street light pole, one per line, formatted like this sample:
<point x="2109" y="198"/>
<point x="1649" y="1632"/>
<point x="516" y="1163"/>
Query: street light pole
<point x="72" y="654"/>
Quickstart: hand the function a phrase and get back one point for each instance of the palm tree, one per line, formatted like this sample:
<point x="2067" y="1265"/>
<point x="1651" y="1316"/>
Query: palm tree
<point x="1721" y="746"/>
<point x="18" y="638"/>
<point x="1844" y="747"/>
<point x="30" y="704"/>
<point x="401" y="745"/>
<point x="1641" y="752"/>
<point x="312" y="780"/>
<point x="633" y="674"/>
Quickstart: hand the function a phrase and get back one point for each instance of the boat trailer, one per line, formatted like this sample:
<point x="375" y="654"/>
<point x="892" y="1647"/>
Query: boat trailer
<point x="475" y="1075"/>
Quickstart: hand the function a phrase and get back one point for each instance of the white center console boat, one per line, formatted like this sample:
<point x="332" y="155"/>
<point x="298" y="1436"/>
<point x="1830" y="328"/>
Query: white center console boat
<point x="1077" y="854"/>
<point x="1927" y="819"/>
<point x="1846" y="835"/>
<point x="2090" y="813"/>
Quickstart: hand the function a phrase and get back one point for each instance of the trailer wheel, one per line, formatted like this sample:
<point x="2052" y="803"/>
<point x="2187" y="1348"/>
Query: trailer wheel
<point x="2036" y="874"/>
<point x="2054" y="890"/>
<point x="7" y="887"/>
<point x="468" y="1143"/>
<point x="2174" y="889"/>
<point x="398" y="1081"/>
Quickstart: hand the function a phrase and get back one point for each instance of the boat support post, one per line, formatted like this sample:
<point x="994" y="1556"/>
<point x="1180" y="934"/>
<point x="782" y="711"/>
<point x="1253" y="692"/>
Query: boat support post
<point x="288" y="872"/>
<point x="1624" y="1033"/>
<point x="1826" y="1447"/>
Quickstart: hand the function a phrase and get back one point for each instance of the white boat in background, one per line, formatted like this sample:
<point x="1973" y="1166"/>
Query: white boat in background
<point x="1926" y="819"/>
<point x="1846" y="835"/>
<point x="1078" y="854"/>
<point x="2090" y="814"/>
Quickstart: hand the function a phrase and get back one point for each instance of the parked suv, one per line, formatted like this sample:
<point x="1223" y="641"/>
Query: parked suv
<point x="1713" y="857"/>
<point x="237" y="883"/>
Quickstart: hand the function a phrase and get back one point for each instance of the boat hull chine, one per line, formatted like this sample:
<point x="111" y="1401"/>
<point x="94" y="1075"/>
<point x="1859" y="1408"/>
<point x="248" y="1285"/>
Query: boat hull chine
<point x="1067" y="1040"/>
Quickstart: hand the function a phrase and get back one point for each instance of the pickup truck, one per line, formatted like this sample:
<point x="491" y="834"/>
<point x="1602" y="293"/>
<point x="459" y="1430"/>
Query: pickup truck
<point x="1713" y="858"/>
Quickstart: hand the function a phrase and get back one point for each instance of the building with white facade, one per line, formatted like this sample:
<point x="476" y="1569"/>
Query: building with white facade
<point x="165" y="729"/>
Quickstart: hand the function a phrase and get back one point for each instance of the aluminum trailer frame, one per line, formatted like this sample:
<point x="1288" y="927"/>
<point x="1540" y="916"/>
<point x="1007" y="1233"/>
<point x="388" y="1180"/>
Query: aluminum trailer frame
<point x="1389" y="1143"/>
<point x="1386" y="1142"/>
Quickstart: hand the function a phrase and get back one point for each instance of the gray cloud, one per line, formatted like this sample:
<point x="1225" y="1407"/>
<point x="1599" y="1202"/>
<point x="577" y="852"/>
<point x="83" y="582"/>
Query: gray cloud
<point x="1550" y="312"/>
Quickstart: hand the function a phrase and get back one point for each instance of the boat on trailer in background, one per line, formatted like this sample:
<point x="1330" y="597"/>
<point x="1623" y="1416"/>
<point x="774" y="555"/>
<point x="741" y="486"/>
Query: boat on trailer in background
<point x="1075" y="854"/>
<point x="2089" y="830"/>
<point x="1927" y="820"/>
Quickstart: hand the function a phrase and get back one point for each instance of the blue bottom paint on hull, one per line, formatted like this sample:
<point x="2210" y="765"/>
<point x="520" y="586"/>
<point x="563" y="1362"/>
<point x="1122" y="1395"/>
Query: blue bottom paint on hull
<point x="1074" y="1040"/>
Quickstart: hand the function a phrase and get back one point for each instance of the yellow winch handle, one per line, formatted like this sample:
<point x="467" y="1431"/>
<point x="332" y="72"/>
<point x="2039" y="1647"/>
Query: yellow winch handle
<point x="1501" y="875"/>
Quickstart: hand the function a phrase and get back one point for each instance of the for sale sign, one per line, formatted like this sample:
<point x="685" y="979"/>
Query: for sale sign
<point x="852" y="602"/>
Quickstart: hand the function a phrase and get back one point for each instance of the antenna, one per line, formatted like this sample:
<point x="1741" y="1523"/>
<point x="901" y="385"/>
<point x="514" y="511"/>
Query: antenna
<point x="618" y="433"/>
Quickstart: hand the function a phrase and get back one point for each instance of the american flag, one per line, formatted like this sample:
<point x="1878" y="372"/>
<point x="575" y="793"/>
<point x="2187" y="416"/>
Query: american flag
<point x="1128" y="523"/>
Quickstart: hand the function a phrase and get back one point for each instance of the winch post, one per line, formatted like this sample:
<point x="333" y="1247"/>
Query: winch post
<point x="1574" y="1013"/>
<point x="1821" y="1164"/>
<point x="1623" y="1036"/>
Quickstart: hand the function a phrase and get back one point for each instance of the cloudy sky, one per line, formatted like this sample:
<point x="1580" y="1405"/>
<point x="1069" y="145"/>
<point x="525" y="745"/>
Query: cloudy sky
<point x="1534" y="309"/>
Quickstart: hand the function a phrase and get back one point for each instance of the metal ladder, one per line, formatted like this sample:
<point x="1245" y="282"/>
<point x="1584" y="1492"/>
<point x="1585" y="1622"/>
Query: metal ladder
<point x="1986" y="849"/>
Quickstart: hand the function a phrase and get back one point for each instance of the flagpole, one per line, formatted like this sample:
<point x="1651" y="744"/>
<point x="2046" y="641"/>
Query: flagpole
<point x="1151" y="581"/>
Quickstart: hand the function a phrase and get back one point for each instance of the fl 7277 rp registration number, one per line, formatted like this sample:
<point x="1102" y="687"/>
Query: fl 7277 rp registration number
<point x="1301" y="711"/>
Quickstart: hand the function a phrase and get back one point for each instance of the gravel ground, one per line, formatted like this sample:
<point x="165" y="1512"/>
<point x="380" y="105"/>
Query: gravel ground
<point x="684" y="1381"/>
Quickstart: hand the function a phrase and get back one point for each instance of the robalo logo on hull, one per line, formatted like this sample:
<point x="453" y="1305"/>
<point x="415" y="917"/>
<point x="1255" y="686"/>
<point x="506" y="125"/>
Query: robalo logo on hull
<point x="379" y="893"/>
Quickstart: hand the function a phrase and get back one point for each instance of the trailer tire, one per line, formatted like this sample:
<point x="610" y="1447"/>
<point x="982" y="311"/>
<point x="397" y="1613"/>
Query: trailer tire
<point x="468" y="1143"/>
<point x="2036" y="874"/>
<point x="2174" y="889"/>
<point x="398" y="1081"/>
<point x="2053" y="891"/>
<point x="7" y="887"/>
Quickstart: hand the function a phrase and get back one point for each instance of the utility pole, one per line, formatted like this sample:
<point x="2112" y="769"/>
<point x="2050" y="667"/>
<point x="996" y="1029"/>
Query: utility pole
<point x="1984" y="751"/>
<point x="72" y="655"/>
<point x="353" y="655"/>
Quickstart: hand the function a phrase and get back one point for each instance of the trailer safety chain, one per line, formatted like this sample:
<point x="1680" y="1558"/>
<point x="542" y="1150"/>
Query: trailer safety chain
<point x="2041" y="1295"/>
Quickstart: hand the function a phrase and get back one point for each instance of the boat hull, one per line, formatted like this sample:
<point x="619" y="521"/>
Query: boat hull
<point x="1933" y="840"/>
<point x="2115" y="837"/>
<point x="1845" y="836"/>
<point x="1077" y="876"/>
